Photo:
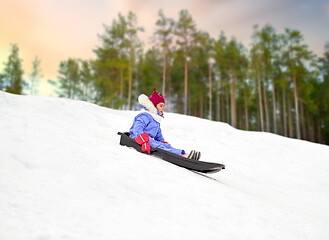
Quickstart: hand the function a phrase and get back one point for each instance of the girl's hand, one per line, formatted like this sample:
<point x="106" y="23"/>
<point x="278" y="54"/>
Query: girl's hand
<point x="143" y="140"/>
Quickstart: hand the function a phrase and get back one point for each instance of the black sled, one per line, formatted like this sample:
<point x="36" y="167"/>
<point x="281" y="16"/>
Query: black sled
<point x="193" y="165"/>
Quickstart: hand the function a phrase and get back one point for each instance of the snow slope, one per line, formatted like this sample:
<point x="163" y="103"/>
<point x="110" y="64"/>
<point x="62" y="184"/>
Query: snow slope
<point x="63" y="175"/>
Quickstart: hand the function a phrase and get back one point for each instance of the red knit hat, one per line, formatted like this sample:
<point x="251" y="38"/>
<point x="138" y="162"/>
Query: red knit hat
<point x="156" y="98"/>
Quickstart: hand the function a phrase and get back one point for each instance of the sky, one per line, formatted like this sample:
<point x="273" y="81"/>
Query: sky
<point x="55" y="30"/>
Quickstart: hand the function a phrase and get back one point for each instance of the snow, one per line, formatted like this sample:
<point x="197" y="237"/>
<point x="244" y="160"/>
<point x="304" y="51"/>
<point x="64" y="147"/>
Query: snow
<point x="63" y="175"/>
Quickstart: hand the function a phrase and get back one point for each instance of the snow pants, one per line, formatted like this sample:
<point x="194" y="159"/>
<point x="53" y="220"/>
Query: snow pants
<point x="165" y="146"/>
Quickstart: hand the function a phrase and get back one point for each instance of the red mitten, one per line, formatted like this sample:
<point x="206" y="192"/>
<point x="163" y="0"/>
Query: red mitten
<point x="143" y="138"/>
<point x="146" y="147"/>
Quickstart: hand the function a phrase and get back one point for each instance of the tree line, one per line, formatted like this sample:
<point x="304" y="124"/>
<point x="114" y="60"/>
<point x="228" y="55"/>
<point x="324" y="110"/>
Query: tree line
<point x="277" y="85"/>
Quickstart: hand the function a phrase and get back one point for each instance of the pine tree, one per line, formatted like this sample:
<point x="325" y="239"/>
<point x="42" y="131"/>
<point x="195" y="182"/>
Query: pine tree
<point x="2" y="78"/>
<point x="108" y="66"/>
<point x="118" y="35"/>
<point x="133" y="43"/>
<point x="243" y="75"/>
<point x="233" y="56"/>
<point x="269" y="43"/>
<point x="13" y="72"/>
<point x="164" y="31"/>
<point x="69" y="78"/>
<point x="205" y="47"/>
<point x="221" y="67"/>
<point x="86" y="80"/>
<point x="149" y="73"/>
<point x="296" y="56"/>
<point x="322" y="96"/>
<point x="115" y="60"/>
<point x="185" y="29"/>
<point x="198" y="104"/>
<point x="35" y="76"/>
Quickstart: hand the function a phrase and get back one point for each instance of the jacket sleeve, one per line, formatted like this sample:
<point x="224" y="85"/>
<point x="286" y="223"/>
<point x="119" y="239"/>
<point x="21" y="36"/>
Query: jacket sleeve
<point x="139" y="125"/>
<point x="159" y="136"/>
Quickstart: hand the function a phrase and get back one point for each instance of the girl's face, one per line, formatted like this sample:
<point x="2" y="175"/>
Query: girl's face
<point x="160" y="108"/>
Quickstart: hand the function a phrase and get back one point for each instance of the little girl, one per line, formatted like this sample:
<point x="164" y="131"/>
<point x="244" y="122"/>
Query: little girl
<point x="146" y="126"/>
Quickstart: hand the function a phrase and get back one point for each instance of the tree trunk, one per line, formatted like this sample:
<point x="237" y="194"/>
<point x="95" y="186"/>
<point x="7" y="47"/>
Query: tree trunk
<point x="279" y="122"/>
<point x="201" y="103"/>
<point x="169" y="88"/>
<point x="260" y="103"/>
<point x="136" y="90"/>
<point x="111" y="87"/>
<point x="121" y="78"/>
<point x="295" y="95"/>
<point x="246" y="106"/>
<point x="319" y="132"/>
<point x="314" y="139"/>
<point x="312" y="129"/>
<point x="228" y="104"/>
<point x="233" y="102"/>
<point x="274" y="107"/>
<point x="296" y="105"/>
<point x="285" y="128"/>
<point x="222" y="101"/>
<point x="185" y="77"/>
<point x="240" y="116"/>
<point x="227" y="96"/>
<point x="290" y="119"/>
<point x="308" y="125"/>
<point x="210" y="91"/>
<point x="70" y="86"/>
<point x="258" y="121"/>
<point x="217" y="101"/>
<point x="130" y="76"/>
<point x="266" y="105"/>
<point x="303" y="121"/>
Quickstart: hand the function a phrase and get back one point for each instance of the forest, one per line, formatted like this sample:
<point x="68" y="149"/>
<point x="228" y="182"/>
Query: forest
<point x="275" y="85"/>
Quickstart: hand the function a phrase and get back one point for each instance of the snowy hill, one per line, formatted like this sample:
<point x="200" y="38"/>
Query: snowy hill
<point x="63" y="175"/>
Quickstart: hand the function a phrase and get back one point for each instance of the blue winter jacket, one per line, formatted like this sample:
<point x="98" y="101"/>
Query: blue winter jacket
<point x="146" y="122"/>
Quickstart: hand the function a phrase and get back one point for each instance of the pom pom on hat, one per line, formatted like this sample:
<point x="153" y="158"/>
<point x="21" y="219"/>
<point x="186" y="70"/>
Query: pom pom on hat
<point x="156" y="98"/>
